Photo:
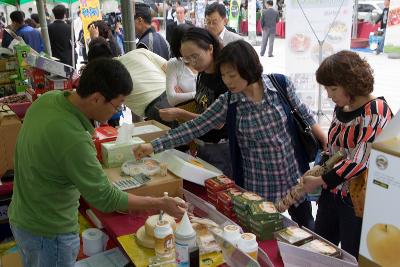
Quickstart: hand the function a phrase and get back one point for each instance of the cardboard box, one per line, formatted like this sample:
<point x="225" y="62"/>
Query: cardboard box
<point x="8" y="64"/>
<point x="113" y="155"/>
<point x="7" y="89"/>
<point x="155" y="188"/>
<point x="37" y="79"/>
<point x="10" y="125"/>
<point x="54" y="82"/>
<point x="49" y="65"/>
<point x="150" y="130"/>
<point x="380" y="237"/>
<point x="11" y="260"/>
<point x="5" y="77"/>
<point x="22" y="52"/>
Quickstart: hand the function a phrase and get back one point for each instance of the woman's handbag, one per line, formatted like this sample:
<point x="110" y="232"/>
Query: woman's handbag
<point x="357" y="188"/>
<point x="304" y="139"/>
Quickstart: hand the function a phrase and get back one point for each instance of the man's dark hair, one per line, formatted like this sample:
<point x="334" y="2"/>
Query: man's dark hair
<point x="270" y="3"/>
<point x="178" y="2"/>
<point x="35" y="17"/>
<point x="17" y="16"/>
<point x="245" y="60"/>
<point x="99" y="48"/>
<point x="143" y="11"/>
<point x="216" y="7"/>
<point x="176" y="39"/>
<point x="59" y="11"/>
<point x="107" y="76"/>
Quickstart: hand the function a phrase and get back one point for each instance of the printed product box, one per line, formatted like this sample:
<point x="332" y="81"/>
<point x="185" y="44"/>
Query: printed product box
<point x="57" y="83"/>
<point x="8" y="64"/>
<point x="113" y="155"/>
<point x="102" y="135"/>
<point x="10" y="125"/>
<point x="380" y="237"/>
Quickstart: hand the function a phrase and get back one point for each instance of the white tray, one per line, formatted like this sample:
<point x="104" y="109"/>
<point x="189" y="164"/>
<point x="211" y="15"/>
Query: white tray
<point x="178" y="163"/>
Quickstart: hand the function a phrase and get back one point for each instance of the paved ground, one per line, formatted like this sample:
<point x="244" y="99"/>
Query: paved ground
<point x="387" y="72"/>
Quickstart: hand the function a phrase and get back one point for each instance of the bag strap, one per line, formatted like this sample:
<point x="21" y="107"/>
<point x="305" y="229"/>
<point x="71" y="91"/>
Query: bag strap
<point x="11" y="32"/>
<point x="235" y="153"/>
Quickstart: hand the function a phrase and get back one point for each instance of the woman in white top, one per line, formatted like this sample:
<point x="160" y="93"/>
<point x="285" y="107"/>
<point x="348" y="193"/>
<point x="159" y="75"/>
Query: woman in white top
<point x="181" y="79"/>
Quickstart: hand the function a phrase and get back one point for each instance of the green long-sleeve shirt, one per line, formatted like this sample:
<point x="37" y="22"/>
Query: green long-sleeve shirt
<point x="55" y="162"/>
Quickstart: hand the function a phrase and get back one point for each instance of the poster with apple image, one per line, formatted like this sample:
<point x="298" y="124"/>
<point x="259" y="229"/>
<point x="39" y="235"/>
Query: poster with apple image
<point x="380" y="237"/>
<point x="299" y="43"/>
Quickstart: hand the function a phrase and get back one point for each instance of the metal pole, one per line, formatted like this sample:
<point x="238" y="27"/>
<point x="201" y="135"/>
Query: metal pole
<point x="128" y="11"/>
<point x="72" y="34"/>
<point x="252" y="21"/>
<point x="319" y="112"/>
<point x="43" y="26"/>
<point x="355" y="20"/>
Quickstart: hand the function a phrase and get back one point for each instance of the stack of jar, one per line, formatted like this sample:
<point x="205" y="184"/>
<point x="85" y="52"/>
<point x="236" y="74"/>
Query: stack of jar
<point x="264" y="220"/>
<point x="215" y="185"/>
<point x="241" y="206"/>
<point x="224" y="201"/>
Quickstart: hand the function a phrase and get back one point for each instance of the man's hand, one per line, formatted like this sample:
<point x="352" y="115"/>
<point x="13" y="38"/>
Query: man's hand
<point x="174" y="207"/>
<point x="142" y="150"/>
<point x="94" y="32"/>
<point x="170" y="114"/>
<point x="310" y="183"/>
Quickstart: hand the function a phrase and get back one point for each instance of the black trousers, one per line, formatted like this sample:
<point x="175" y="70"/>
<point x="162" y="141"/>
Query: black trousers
<point x="302" y="215"/>
<point x="337" y="222"/>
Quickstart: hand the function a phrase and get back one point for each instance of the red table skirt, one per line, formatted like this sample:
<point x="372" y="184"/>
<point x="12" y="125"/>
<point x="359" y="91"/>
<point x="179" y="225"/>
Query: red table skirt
<point x="117" y="224"/>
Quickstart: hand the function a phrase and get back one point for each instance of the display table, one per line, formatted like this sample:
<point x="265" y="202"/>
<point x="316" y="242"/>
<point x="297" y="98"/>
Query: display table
<point x="118" y="224"/>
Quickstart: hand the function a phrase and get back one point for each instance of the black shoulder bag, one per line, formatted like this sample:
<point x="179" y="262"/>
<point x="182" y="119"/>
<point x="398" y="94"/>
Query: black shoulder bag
<point x="306" y="145"/>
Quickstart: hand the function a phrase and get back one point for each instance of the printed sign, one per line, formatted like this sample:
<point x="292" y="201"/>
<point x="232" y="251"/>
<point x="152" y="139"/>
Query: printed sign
<point x="90" y="11"/>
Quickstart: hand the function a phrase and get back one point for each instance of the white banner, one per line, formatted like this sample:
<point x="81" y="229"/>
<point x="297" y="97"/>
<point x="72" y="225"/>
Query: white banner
<point x="309" y="22"/>
<point x="392" y="36"/>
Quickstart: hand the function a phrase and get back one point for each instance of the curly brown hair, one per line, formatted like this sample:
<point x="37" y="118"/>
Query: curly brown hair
<point x="348" y="70"/>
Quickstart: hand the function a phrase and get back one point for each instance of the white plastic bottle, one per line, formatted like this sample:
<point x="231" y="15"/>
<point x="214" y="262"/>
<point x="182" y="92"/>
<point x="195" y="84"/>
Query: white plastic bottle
<point x="185" y="238"/>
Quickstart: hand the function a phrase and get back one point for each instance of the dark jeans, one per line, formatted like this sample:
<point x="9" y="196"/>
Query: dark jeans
<point x="152" y="110"/>
<point x="337" y="222"/>
<point x="302" y="215"/>
<point x="217" y="155"/>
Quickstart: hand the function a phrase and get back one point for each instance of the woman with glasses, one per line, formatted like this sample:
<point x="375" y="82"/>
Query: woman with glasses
<point x="269" y="165"/>
<point x="358" y="119"/>
<point x="180" y="77"/>
<point x="199" y="49"/>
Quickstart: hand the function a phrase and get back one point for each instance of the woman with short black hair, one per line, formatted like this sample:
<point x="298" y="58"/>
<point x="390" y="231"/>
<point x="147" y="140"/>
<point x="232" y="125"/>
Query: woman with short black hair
<point x="268" y="158"/>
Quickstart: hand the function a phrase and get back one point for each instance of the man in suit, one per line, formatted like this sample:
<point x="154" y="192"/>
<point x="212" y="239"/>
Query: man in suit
<point x="269" y="19"/>
<point x="60" y="36"/>
<point x="180" y="19"/>
<point x="215" y="23"/>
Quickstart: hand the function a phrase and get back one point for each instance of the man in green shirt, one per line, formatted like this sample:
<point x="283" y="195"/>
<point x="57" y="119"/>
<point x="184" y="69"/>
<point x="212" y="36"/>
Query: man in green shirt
<point x="55" y="163"/>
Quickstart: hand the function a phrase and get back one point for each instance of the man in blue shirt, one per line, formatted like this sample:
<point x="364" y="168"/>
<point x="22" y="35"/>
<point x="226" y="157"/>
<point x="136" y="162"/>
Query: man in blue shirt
<point x="31" y="36"/>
